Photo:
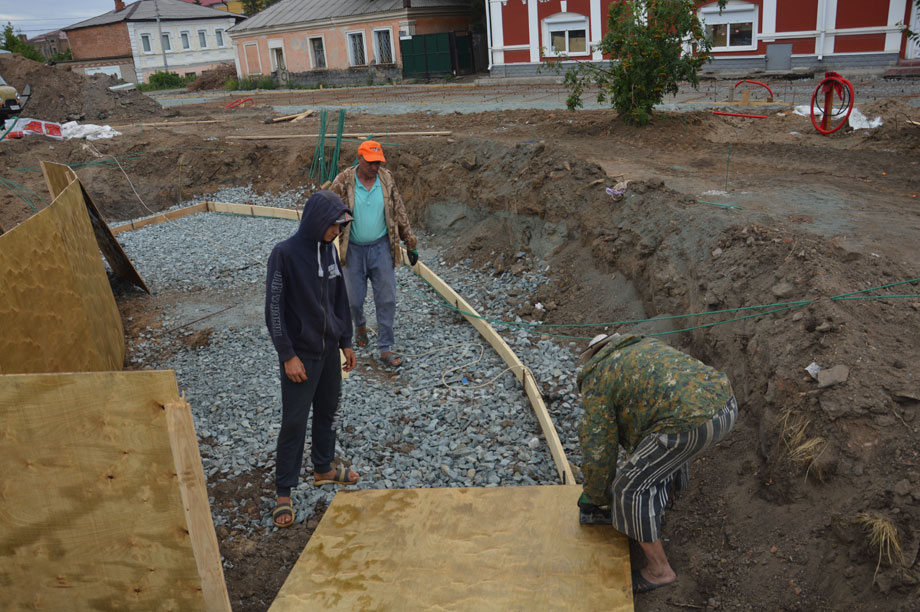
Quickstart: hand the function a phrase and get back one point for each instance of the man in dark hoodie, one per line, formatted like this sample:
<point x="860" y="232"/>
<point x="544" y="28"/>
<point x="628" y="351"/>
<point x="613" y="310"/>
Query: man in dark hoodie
<point x="306" y="310"/>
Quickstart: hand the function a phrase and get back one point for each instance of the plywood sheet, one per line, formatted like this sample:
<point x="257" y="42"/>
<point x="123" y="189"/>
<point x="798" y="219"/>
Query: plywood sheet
<point x="502" y="549"/>
<point x="57" y="311"/>
<point x="91" y="495"/>
<point x="57" y="177"/>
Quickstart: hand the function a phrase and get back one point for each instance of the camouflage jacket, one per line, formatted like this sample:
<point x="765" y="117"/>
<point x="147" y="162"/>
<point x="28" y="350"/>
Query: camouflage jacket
<point x="394" y="212"/>
<point x="636" y="386"/>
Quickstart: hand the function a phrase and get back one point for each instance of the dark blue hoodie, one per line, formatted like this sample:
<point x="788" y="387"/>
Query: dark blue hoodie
<point x="306" y="306"/>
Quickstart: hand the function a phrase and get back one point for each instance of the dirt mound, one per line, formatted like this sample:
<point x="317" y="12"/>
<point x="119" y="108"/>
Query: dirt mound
<point x="213" y="79"/>
<point x="60" y="94"/>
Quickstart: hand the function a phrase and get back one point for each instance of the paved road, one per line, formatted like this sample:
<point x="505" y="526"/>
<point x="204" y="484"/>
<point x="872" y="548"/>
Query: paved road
<point x="537" y="94"/>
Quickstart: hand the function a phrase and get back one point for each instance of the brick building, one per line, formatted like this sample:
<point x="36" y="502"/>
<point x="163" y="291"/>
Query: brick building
<point x="746" y="34"/>
<point x="51" y="43"/>
<point x="136" y="40"/>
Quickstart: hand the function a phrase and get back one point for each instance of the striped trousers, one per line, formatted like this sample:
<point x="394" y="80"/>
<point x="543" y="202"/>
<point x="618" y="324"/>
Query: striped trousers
<point x="660" y="461"/>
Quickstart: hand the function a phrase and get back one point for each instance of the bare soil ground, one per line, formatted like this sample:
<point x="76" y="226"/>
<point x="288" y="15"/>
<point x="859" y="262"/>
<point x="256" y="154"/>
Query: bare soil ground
<point x="771" y="522"/>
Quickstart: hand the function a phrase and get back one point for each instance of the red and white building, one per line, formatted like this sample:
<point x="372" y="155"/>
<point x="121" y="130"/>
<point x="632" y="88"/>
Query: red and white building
<point x="746" y="34"/>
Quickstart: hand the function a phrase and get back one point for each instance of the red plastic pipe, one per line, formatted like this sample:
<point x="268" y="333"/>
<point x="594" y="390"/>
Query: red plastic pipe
<point x="740" y="115"/>
<point x="240" y="102"/>
<point x="764" y="85"/>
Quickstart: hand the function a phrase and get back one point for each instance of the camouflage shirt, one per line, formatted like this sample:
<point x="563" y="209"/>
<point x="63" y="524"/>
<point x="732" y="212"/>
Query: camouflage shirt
<point x="636" y="386"/>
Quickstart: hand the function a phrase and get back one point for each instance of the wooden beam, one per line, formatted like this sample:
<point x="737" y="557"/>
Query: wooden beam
<point x="103" y="500"/>
<point x="161" y="218"/>
<point x="166" y="124"/>
<point x="197" y="510"/>
<point x="302" y="115"/>
<point x="364" y="135"/>
<point x="521" y="372"/>
<point x="57" y="311"/>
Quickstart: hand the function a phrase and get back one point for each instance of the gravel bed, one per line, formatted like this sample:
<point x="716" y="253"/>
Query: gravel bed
<point x="403" y="429"/>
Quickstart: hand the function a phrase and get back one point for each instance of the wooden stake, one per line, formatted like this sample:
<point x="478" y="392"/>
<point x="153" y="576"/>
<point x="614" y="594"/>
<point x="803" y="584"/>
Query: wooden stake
<point x="302" y="115"/>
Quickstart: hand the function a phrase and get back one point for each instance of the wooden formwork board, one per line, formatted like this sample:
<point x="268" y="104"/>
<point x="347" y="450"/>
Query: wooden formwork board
<point x="521" y="372"/>
<point x="160" y="218"/>
<point x="103" y="501"/>
<point x="57" y="177"/>
<point x="57" y="311"/>
<point x="362" y="135"/>
<point x="484" y="549"/>
<point x="219" y="207"/>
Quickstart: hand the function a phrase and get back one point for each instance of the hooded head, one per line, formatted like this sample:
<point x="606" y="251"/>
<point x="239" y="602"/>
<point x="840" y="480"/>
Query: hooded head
<point x="323" y="209"/>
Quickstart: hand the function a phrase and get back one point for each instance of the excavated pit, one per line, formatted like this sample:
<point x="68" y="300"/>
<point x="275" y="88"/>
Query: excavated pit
<point x="771" y="519"/>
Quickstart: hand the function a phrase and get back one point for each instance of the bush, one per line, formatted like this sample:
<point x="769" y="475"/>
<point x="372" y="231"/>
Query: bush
<point x="165" y="80"/>
<point x="653" y="46"/>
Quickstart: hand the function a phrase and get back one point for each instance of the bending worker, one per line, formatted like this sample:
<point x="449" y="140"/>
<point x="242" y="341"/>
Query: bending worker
<point x="369" y="247"/>
<point x="663" y="407"/>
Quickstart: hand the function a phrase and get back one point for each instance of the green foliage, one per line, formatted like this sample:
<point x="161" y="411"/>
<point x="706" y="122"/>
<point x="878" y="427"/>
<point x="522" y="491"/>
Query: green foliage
<point x="66" y="56"/>
<point x="912" y="36"/>
<point x="231" y="84"/>
<point x="649" y="43"/>
<point x="251" y="7"/>
<point x="14" y="44"/>
<point x="165" y="80"/>
<point x="262" y="82"/>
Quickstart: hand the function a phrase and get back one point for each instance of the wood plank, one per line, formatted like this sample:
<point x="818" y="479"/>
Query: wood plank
<point x="520" y="371"/>
<point x="253" y="210"/>
<point x="364" y="135"/>
<point x="197" y="510"/>
<point x="161" y="218"/>
<point x="484" y="549"/>
<point x="302" y="115"/>
<point x="57" y="311"/>
<point x="91" y="505"/>
<point x="166" y="124"/>
<point x="57" y="175"/>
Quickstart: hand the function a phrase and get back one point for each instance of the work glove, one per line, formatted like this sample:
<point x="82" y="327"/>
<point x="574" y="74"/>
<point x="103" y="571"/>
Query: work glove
<point x="413" y="257"/>
<point x="592" y="514"/>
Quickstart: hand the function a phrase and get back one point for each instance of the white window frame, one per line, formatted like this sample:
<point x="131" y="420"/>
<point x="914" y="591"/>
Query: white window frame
<point x="568" y="22"/>
<point x="272" y="45"/>
<point x="219" y="38"/>
<point x="389" y="32"/>
<point x="166" y="42"/>
<point x="351" y="55"/>
<point x="313" y="63"/>
<point x="203" y="39"/>
<point x="146" y="46"/>
<point x="186" y="40"/>
<point x="734" y="12"/>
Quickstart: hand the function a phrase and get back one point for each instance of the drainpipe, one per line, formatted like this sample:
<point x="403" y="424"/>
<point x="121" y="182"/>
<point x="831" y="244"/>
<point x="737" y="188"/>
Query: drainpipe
<point x="489" y="31"/>
<point x="823" y="31"/>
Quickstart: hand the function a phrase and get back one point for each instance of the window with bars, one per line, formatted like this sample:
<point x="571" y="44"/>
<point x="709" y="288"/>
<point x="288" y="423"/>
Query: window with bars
<point x="383" y="47"/>
<point x="356" y="49"/>
<point x="319" y="53"/>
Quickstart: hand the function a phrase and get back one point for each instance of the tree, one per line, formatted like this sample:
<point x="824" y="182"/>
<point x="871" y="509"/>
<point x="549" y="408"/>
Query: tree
<point x="251" y="7"/>
<point x="653" y="45"/>
<point x="14" y="44"/>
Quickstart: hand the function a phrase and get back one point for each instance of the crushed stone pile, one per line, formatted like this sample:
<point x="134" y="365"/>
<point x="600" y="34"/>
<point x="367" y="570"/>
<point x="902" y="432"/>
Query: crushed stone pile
<point x="213" y="79"/>
<point x="60" y="94"/>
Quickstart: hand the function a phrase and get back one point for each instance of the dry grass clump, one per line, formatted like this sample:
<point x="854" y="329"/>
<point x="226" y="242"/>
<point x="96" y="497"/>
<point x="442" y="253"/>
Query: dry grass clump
<point x="884" y="535"/>
<point x="802" y="449"/>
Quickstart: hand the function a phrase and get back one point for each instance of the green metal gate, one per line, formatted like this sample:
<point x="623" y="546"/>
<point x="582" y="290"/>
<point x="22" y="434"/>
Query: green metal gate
<point x="426" y="55"/>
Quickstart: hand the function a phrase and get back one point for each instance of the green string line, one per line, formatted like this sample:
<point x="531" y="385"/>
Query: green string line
<point x="843" y="295"/>
<point x="877" y="297"/>
<point x="722" y="205"/>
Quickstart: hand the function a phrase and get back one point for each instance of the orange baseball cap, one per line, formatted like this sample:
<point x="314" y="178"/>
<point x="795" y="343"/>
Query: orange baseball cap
<point x="371" y="151"/>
